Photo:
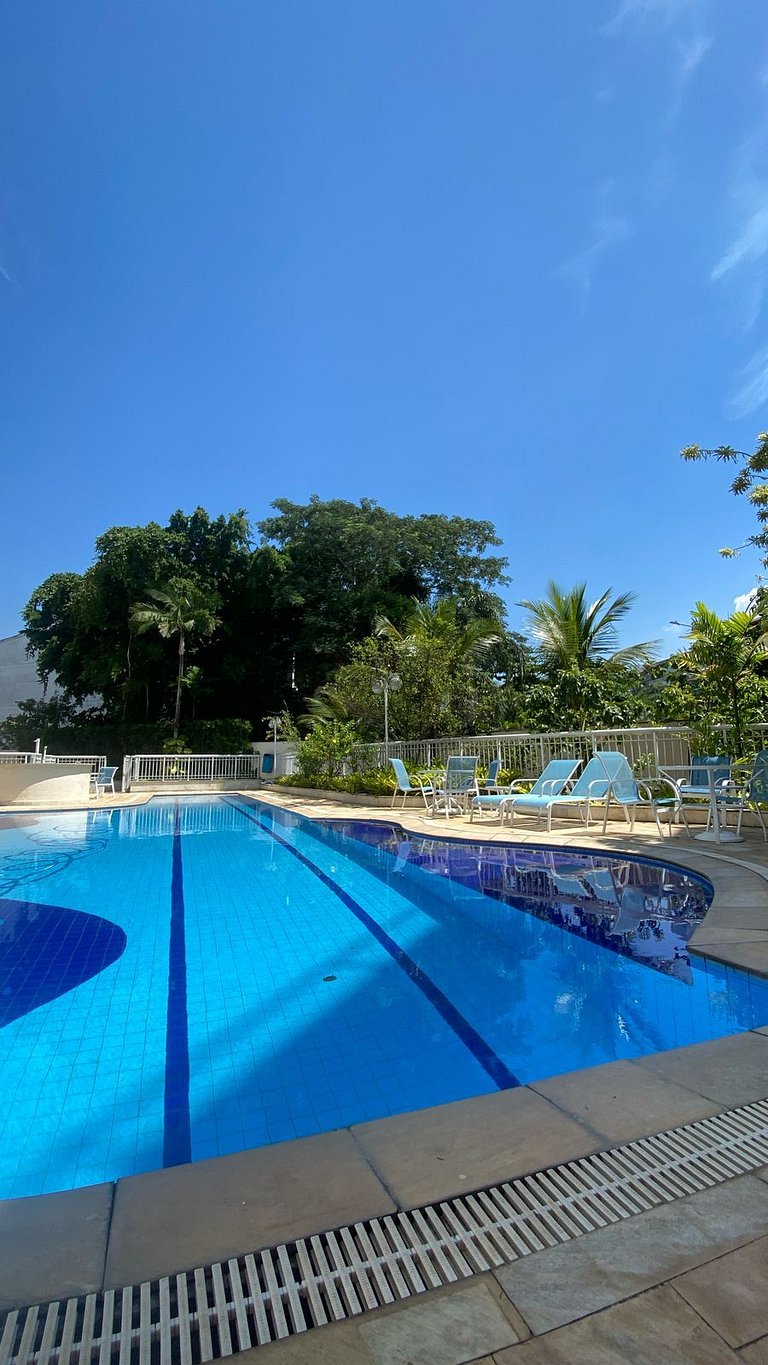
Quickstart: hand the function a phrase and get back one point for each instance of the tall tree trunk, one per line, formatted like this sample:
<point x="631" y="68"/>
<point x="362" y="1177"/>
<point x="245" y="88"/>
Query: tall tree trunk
<point x="736" y="716"/>
<point x="179" y="681"/>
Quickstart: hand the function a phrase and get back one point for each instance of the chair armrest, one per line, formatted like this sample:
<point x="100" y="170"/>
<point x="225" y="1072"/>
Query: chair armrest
<point x="655" y="800"/>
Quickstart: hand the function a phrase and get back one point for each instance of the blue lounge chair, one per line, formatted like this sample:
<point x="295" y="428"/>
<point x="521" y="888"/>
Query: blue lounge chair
<point x="406" y="785"/>
<point x="551" y="782"/>
<point x="625" y="790"/>
<point x="607" y="777"/>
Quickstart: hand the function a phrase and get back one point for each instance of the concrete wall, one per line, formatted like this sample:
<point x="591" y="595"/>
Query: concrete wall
<point x="18" y="676"/>
<point x="43" y="784"/>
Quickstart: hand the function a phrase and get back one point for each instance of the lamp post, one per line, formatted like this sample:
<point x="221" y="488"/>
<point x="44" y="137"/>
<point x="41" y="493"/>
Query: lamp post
<point x="386" y="683"/>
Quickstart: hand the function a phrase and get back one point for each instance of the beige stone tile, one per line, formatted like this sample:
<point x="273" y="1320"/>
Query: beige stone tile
<point x="622" y="1102"/>
<point x="449" y="1330"/>
<point x="449" y="1325"/>
<point x="557" y="1286"/>
<point x="730" y="1293"/>
<point x="656" y="1328"/>
<point x="452" y="1148"/>
<point x="756" y="1354"/>
<point x="188" y="1215"/>
<point x="53" y="1246"/>
<point x="336" y="1344"/>
<point x="742" y="891"/>
<point x="727" y="932"/>
<point x="732" y="1070"/>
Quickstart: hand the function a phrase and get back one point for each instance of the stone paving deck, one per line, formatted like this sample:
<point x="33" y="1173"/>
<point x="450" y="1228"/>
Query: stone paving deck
<point x="680" y="1283"/>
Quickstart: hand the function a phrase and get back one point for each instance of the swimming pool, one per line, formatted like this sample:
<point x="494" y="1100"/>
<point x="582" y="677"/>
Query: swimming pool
<point x="193" y="977"/>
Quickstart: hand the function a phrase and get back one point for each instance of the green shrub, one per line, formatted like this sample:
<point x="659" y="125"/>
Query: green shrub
<point x="372" y="782"/>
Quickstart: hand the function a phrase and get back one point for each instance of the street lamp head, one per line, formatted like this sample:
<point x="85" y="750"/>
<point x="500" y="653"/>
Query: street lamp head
<point x="395" y="682"/>
<point x="377" y="686"/>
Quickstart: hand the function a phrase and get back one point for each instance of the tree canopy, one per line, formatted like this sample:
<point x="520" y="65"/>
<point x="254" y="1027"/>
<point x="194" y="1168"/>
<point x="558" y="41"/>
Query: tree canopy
<point x="750" y="482"/>
<point x="289" y="606"/>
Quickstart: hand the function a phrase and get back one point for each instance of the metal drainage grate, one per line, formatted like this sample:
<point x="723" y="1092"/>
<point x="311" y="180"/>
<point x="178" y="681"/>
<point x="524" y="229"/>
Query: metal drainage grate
<point x="251" y="1300"/>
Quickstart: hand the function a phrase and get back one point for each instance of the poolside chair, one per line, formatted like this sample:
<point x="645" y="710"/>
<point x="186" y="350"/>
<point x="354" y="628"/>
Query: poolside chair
<point x="491" y="782"/>
<point x="591" y="785"/>
<point x="406" y="785"/>
<point x="458" y="786"/>
<point x="550" y="782"/>
<point x="103" y="781"/>
<point x="692" y="784"/>
<point x="629" y="792"/>
<point x="748" y="794"/>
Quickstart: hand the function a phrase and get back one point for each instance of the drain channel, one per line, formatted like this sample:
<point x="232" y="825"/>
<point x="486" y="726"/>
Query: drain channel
<point x="251" y="1300"/>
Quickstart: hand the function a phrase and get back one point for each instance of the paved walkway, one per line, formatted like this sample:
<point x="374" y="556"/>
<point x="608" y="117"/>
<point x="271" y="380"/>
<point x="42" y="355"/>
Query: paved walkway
<point x="679" y="1283"/>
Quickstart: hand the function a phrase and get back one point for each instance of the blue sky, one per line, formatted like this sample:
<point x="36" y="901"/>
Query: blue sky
<point x="494" y="259"/>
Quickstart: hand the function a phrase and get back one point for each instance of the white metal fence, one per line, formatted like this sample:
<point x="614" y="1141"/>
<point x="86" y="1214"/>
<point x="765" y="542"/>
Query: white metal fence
<point x="527" y="754"/>
<point x="94" y="761"/>
<point x="158" y="768"/>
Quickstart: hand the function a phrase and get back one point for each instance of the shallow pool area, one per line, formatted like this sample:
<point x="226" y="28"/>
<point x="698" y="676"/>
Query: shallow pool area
<point x="193" y="977"/>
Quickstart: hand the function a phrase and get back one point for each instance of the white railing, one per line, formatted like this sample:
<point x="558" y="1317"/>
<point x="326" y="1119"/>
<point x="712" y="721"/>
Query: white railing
<point x="527" y="754"/>
<point x="158" y="768"/>
<point x="94" y="761"/>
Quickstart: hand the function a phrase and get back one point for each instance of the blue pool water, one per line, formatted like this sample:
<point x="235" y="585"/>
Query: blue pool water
<point x="194" y="977"/>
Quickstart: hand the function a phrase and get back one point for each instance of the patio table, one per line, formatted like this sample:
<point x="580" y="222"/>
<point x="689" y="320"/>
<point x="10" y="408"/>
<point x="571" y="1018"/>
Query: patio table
<point x="717" y="834"/>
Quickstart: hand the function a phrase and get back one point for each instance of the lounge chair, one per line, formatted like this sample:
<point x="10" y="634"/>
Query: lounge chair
<point x="625" y="790"/>
<point x="551" y="782"/>
<point x="406" y="785"/>
<point x="607" y="777"/>
<point x="591" y="785"/>
<point x="458" y="786"/>
<point x="102" y="781"/>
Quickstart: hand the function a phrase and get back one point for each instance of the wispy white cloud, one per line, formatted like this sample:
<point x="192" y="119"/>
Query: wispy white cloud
<point x="692" y="53"/>
<point x="688" y="56"/>
<point x="749" y="245"/>
<point x="609" y="231"/>
<point x="667" y="12"/>
<point x="751" y="390"/>
<point x="743" y="260"/>
<point x="681" y="26"/>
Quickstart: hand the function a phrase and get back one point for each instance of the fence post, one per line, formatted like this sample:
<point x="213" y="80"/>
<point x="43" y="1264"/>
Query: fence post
<point x="126" y="779"/>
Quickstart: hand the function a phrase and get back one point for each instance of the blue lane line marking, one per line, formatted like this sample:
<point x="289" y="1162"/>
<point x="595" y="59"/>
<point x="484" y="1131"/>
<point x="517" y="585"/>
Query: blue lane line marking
<point x="481" y="1051"/>
<point x="177" y="1136"/>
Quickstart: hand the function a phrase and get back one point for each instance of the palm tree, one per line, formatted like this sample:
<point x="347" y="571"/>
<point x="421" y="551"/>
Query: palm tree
<point x="178" y="609"/>
<point x="725" y="649"/>
<point x="440" y="622"/>
<point x="573" y="635"/>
